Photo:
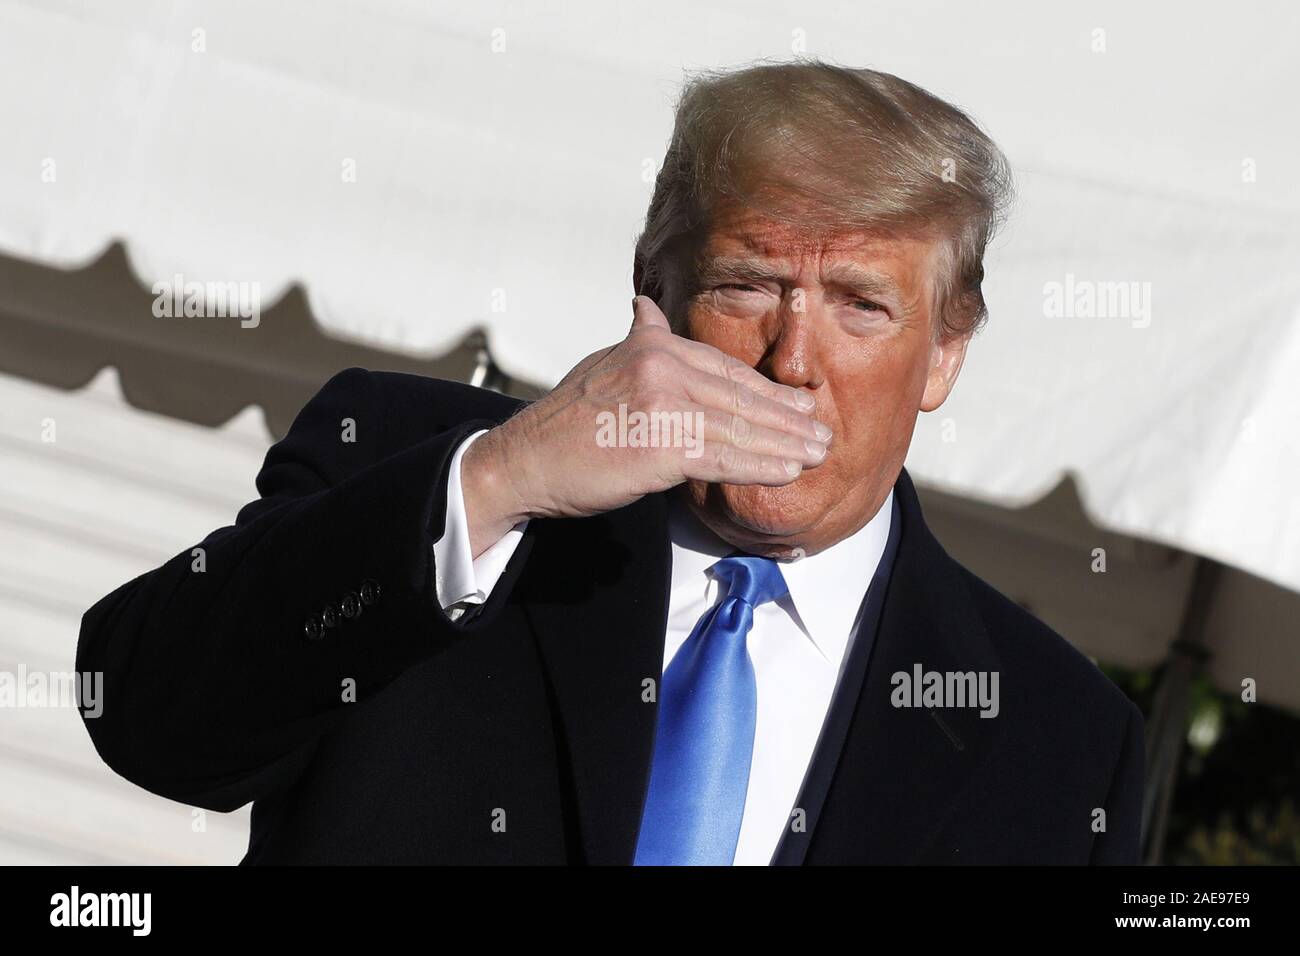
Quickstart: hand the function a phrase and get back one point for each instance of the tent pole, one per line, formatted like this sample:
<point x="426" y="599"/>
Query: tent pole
<point x="1167" y="726"/>
<point x="486" y="373"/>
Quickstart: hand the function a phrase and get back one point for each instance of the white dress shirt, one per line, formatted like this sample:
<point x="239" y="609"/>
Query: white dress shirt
<point x="798" y="645"/>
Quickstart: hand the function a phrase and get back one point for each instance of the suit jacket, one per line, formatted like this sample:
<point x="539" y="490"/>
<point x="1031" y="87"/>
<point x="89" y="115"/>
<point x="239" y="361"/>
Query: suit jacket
<point x="522" y="733"/>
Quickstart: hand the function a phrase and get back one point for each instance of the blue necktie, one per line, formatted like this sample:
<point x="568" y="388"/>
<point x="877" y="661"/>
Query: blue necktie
<point x="708" y="705"/>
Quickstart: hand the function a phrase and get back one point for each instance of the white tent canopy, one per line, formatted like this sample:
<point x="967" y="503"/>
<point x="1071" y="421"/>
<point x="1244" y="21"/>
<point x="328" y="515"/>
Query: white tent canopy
<point x="78" y="518"/>
<point x="426" y="169"/>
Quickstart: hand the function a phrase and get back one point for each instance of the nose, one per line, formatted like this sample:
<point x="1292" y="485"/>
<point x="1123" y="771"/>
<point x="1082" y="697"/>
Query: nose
<point x="793" y="358"/>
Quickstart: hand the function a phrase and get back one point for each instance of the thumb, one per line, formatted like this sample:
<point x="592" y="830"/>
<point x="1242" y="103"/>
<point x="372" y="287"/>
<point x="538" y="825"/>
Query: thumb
<point x="646" y="314"/>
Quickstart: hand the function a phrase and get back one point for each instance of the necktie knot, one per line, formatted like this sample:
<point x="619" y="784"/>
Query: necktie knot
<point x="752" y="579"/>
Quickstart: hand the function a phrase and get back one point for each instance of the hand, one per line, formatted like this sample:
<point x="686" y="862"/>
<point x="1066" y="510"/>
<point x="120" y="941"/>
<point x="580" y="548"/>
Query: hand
<point x="553" y="459"/>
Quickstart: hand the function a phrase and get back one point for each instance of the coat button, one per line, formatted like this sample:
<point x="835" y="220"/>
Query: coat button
<point x="369" y="592"/>
<point x="350" y="606"/>
<point x="329" y="615"/>
<point x="313" y="628"/>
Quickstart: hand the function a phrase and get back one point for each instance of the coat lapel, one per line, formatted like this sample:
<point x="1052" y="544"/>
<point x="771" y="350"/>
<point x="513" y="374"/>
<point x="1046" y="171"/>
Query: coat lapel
<point x="597" y="597"/>
<point x="793" y="847"/>
<point x="901" y="769"/>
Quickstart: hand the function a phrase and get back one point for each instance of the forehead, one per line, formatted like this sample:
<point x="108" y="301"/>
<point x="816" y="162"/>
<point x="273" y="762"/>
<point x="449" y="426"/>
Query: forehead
<point x="738" y="232"/>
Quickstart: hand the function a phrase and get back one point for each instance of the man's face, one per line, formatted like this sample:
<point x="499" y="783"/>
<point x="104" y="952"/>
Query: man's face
<point x="845" y="318"/>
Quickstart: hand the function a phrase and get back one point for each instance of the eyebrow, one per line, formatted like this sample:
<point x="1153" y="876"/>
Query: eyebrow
<point x="854" y="278"/>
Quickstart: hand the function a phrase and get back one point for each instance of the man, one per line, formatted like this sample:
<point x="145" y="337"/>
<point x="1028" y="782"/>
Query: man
<point x="456" y="629"/>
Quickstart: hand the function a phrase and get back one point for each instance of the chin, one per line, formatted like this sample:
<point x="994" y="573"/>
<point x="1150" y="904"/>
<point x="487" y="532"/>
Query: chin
<point x="777" y="515"/>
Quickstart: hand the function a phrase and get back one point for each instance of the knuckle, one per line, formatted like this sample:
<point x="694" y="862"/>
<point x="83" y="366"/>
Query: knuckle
<point x="792" y="421"/>
<point x="741" y="397"/>
<point x="734" y="369"/>
<point x="648" y="364"/>
<point x="650" y="398"/>
<point x="740" y="432"/>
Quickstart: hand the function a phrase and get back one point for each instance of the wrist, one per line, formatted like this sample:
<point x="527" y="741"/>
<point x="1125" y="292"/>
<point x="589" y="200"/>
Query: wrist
<point x="494" y="501"/>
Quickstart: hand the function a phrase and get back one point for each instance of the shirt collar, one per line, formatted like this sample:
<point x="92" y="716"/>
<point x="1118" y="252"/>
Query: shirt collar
<point x="826" y="589"/>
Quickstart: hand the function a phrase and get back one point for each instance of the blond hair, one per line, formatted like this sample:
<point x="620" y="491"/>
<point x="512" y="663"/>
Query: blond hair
<point x="856" y="149"/>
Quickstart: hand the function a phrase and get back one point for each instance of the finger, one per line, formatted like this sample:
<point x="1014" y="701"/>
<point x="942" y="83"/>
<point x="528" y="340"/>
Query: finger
<point x="723" y="428"/>
<point x="695" y="427"/>
<point x="646" y="314"/>
<point x="737" y="399"/>
<point x="716" y="362"/>
<point x="726" y="464"/>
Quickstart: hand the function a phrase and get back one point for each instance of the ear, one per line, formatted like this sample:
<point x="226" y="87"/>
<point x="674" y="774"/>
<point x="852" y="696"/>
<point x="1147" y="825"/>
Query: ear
<point x="946" y="357"/>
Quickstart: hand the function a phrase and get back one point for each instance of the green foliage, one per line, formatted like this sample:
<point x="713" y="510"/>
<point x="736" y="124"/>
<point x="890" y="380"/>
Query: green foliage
<point x="1266" y="836"/>
<point x="1238" y="788"/>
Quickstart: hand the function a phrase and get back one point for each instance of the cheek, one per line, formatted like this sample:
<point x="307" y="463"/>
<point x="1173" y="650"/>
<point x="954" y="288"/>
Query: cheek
<point x="876" y="390"/>
<point x="739" y="337"/>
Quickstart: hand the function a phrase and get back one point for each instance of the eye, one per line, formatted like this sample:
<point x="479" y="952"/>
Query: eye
<point x="739" y="287"/>
<point x="866" y="305"/>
